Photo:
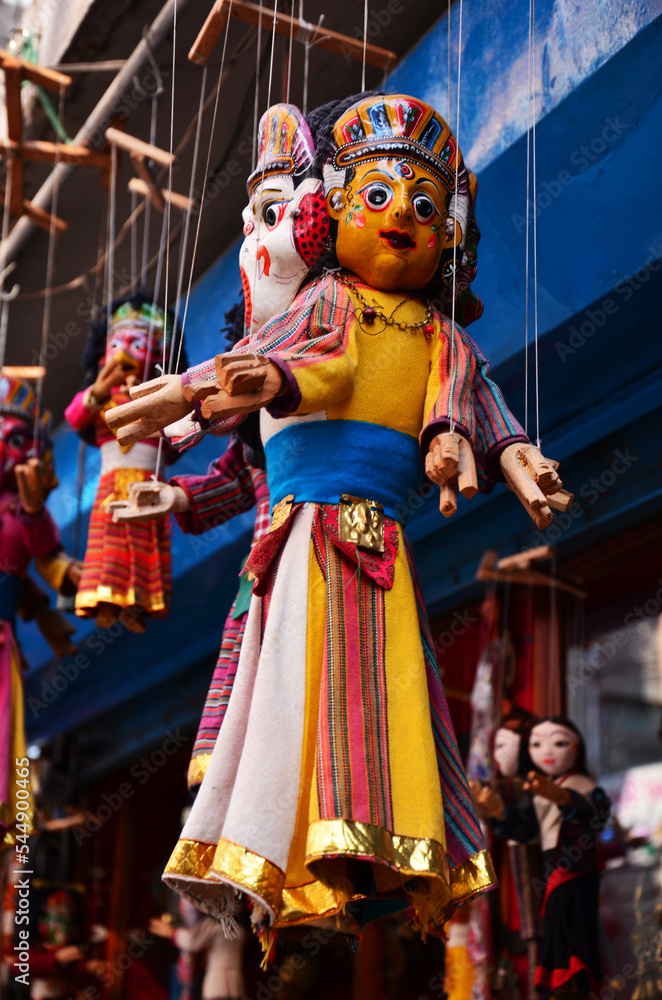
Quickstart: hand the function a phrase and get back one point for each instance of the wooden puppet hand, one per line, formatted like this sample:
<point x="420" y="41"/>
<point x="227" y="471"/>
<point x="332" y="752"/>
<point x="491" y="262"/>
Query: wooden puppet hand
<point x="56" y="630"/>
<point x="154" y="405"/>
<point x="489" y="803"/>
<point x="149" y="501"/>
<point x="161" y="928"/>
<point x="244" y="383"/>
<point x="75" y="572"/>
<point x="111" y="375"/>
<point x="30" y="487"/>
<point x="546" y="788"/>
<point x="534" y="479"/>
<point x="450" y="463"/>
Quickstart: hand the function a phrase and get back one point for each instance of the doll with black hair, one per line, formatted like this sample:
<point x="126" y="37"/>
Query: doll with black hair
<point x="518" y="865"/>
<point x="565" y="810"/>
<point x="127" y="568"/>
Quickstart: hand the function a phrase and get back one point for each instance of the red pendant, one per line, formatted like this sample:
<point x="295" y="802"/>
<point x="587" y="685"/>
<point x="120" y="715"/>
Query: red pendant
<point x="369" y="315"/>
<point x="428" y="330"/>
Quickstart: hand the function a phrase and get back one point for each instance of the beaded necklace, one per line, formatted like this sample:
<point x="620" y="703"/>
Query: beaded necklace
<point x="370" y="312"/>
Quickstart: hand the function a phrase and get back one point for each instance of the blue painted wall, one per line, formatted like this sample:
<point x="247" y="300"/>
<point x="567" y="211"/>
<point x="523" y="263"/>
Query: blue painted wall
<point x="599" y="233"/>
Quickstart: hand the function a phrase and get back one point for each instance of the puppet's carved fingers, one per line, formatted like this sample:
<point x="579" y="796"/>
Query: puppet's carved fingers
<point x="151" y="386"/>
<point x="30" y="487"/>
<point x="145" y="415"/>
<point x="442" y="459"/>
<point x="195" y="392"/>
<point x="542" y="469"/>
<point x="223" y="404"/>
<point x="467" y="479"/>
<point x="448" y="499"/>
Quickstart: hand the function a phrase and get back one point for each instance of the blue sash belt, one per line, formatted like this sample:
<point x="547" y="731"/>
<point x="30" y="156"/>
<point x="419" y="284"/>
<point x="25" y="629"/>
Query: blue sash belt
<point x="319" y="460"/>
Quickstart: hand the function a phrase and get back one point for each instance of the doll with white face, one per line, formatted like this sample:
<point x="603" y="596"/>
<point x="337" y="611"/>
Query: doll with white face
<point x="507" y="746"/>
<point x="565" y="810"/>
<point x="554" y="748"/>
<point x="285" y="221"/>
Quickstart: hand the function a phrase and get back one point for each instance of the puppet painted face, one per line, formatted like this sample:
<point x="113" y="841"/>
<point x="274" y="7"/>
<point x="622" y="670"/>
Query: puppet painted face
<point x="284" y="233"/>
<point x="391" y="223"/>
<point x="553" y="748"/>
<point x="507" y="745"/>
<point x="131" y="347"/>
<point x="15" y="446"/>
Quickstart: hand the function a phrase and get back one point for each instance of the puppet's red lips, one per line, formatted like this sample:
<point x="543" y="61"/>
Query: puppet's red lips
<point x="396" y="239"/>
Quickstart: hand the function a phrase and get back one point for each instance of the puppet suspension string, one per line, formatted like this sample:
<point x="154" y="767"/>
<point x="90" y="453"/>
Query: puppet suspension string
<point x="134" y="239"/>
<point x="365" y="42"/>
<point x="50" y="266"/>
<point x="187" y="223"/>
<point x="202" y="195"/>
<point x="455" y="227"/>
<point x="111" y="235"/>
<point x="4" y="270"/>
<point x="148" y="201"/>
<point x="531" y="210"/>
<point x="256" y="102"/>
<point x="289" y="55"/>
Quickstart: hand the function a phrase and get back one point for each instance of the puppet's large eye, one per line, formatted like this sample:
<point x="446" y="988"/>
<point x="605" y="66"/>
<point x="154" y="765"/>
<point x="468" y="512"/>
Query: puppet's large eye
<point x="17" y="439"/>
<point x="424" y="207"/>
<point x="377" y="196"/>
<point x="273" y="212"/>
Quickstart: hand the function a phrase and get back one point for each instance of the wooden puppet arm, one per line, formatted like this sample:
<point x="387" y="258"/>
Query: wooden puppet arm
<point x="149" y="501"/>
<point x="450" y="463"/>
<point x="534" y="479"/>
<point x="154" y="405"/>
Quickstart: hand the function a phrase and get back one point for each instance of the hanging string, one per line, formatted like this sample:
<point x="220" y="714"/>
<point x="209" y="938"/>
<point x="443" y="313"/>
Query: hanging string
<point x="134" y="239"/>
<point x="50" y="266"/>
<point x="271" y="66"/>
<point x="457" y="181"/>
<point x="535" y="220"/>
<point x="4" y="303"/>
<point x="148" y="201"/>
<point x="111" y="236"/>
<point x="256" y="102"/>
<point x="289" y="56"/>
<point x="184" y="243"/>
<point x="527" y="215"/>
<point x="448" y="45"/>
<point x="206" y="174"/>
<point x="365" y="42"/>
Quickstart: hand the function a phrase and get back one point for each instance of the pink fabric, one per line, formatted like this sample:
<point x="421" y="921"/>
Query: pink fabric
<point x="22" y="536"/>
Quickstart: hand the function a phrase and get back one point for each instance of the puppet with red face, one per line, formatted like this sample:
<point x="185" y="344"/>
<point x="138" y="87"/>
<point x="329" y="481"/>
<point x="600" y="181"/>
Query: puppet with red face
<point x="127" y="568"/>
<point x="27" y="532"/>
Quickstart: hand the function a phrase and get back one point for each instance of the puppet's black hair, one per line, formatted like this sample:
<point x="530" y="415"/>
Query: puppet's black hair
<point x="249" y="429"/>
<point x="95" y="345"/>
<point x="562" y="720"/>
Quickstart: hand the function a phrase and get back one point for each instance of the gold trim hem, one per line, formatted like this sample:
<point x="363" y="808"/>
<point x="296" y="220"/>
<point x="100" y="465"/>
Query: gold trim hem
<point x="197" y="769"/>
<point x="88" y="600"/>
<point x="473" y="877"/>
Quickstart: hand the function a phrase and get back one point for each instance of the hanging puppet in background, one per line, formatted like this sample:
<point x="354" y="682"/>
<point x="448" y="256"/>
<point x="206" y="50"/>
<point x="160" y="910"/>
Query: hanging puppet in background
<point x="566" y="810"/>
<point x="360" y="373"/>
<point x="27" y="531"/>
<point x="285" y="229"/>
<point x="519" y="866"/>
<point x="127" y="568"/>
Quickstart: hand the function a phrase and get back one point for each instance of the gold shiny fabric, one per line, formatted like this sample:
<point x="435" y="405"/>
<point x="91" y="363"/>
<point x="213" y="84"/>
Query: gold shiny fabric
<point x="401" y="863"/>
<point x="197" y="769"/>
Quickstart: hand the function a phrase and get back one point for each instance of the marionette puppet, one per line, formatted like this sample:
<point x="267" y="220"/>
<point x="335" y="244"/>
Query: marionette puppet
<point x="27" y="532"/>
<point x="520" y="910"/>
<point x="285" y="229"/>
<point x="359" y="377"/>
<point x="565" y="809"/>
<point x="127" y="567"/>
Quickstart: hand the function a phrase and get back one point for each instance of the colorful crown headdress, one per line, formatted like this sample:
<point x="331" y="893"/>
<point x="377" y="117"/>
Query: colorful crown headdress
<point x="18" y="399"/>
<point x="145" y="317"/>
<point x="285" y="144"/>
<point x="397" y="125"/>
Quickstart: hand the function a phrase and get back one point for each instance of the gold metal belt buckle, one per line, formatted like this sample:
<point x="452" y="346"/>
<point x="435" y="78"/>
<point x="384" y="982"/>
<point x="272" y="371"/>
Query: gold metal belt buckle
<point x="361" y="522"/>
<point x="281" y="512"/>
